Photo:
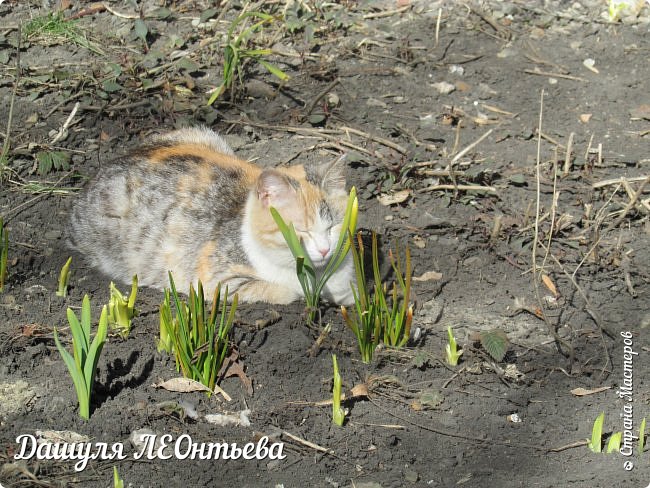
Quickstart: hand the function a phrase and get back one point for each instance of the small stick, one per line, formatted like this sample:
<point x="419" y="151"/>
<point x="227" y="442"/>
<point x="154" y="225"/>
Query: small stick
<point x="497" y="110"/>
<point x="438" y="26"/>
<point x="66" y="124"/>
<point x="93" y="9"/>
<point x="310" y="106"/>
<point x="10" y="116"/>
<point x="569" y="446"/>
<point x="617" y="181"/>
<point x="536" y="242"/>
<point x="306" y="443"/>
<point x="629" y="206"/>
<point x="315" y="347"/>
<point x="118" y="14"/>
<point x="372" y="137"/>
<point x="551" y="140"/>
<point x="459" y="126"/>
<point x="487" y="189"/>
<point x="588" y="151"/>
<point x="567" y="157"/>
<point x="387" y="13"/>
<point x="553" y="75"/>
<point x="470" y="147"/>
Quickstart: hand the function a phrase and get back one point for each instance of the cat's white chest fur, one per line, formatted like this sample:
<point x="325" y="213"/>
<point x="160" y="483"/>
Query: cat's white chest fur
<point x="272" y="265"/>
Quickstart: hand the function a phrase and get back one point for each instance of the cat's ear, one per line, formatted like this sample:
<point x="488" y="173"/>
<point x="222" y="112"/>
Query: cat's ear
<point x="275" y="189"/>
<point x="333" y="176"/>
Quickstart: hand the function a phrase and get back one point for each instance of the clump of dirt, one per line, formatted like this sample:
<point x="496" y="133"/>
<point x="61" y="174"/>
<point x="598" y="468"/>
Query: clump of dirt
<point x="506" y="143"/>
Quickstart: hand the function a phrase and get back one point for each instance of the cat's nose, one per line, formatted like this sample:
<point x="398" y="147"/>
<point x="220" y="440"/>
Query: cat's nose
<point x="323" y="251"/>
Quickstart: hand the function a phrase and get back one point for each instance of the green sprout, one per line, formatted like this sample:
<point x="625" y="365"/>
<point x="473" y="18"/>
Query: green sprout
<point x="117" y="481"/>
<point x="614" y="9"/>
<point x="338" y="412"/>
<point x="83" y="363"/>
<point x="642" y="437"/>
<point x="614" y="443"/>
<point x="120" y="310"/>
<point x="64" y="277"/>
<point x="595" y="444"/>
<point x="400" y="313"/>
<point x="453" y="354"/>
<point x="312" y="283"/>
<point x="235" y="54"/>
<point x="165" y="341"/>
<point x="198" y="336"/>
<point x="4" y="249"/>
<point x="377" y="317"/>
<point x="366" y="324"/>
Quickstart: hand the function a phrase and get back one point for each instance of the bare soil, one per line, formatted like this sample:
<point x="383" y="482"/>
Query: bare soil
<point x="368" y="74"/>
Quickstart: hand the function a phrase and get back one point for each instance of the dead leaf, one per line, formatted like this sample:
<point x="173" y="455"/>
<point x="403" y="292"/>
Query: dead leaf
<point x="584" y="392"/>
<point x="182" y="385"/>
<point x="549" y="284"/>
<point x="360" y="390"/>
<point x="428" y="276"/>
<point x="60" y="436"/>
<point x="234" y="367"/>
<point x="393" y="198"/>
<point x="641" y="112"/>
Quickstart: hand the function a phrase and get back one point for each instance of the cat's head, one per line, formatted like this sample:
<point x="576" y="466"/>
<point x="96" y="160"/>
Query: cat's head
<point x="312" y="197"/>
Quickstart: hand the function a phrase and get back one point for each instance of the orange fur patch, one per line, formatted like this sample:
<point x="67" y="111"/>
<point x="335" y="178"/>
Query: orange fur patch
<point x="205" y="262"/>
<point x="208" y="158"/>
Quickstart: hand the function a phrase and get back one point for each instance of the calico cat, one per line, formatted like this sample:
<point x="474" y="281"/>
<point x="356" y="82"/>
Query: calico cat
<point x="184" y="203"/>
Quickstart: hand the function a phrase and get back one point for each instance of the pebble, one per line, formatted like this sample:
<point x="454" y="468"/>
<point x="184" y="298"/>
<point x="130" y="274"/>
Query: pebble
<point x="443" y="87"/>
<point x="411" y="476"/>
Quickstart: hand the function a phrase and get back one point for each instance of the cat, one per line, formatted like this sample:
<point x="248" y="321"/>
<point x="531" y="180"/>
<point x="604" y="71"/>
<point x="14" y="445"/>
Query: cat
<point x="184" y="203"/>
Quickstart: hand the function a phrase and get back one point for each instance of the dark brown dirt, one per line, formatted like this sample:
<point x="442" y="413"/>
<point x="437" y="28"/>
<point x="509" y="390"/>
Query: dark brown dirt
<point x="387" y="67"/>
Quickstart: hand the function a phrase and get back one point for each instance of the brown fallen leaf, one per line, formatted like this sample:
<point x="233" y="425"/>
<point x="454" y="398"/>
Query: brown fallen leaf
<point x="393" y="198"/>
<point x="234" y="367"/>
<point x="550" y="285"/>
<point x="584" y="392"/>
<point x="182" y="385"/>
<point x="428" y="276"/>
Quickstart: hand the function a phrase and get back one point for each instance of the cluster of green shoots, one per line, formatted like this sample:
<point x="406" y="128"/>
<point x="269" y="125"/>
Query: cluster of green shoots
<point x="83" y="362"/>
<point x="380" y="316"/>
<point x="311" y="281"/>
<point x="595" y="444"/>
<point x="235" y="54"/>
<point x="120" y="310"/>
<point x="197" y="337"/>
<point x="4" y="249"/>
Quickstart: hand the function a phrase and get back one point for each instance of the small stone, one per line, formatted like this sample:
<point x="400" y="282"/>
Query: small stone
<point x="373" y="102"/>
<point x="472" y="261"/>
<point x="411" y="476"/>
<point x="507" y="52"/>
<point x="427" y="121"/>
<point x="443" y="87"/>
<point x="51" y="235"/>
